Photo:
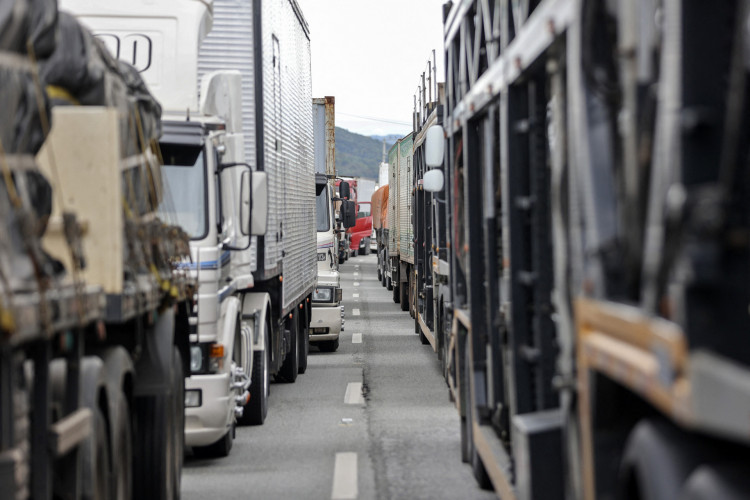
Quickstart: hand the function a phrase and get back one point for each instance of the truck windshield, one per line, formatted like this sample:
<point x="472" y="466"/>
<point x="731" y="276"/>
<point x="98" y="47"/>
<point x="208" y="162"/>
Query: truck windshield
<point x="185" y="197"/>
<point x="364" y="210"/>
<point x="323" y="220"/>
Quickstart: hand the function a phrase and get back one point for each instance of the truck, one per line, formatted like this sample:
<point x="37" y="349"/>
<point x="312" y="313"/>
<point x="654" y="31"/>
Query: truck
<point x="592" y="158"/>
<point x="379" y="204"/>
<point x="432" y="291"/>
<point x="327" y="313"/>
<point x="94" y="308"/>
<point x="400" y="232"/>
<point x="361" y="232"/>
<point x="239" y="138"/>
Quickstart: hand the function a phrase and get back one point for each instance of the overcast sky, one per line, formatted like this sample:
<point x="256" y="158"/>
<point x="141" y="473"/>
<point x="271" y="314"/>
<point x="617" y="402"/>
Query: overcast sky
<point x="369" y="55"/>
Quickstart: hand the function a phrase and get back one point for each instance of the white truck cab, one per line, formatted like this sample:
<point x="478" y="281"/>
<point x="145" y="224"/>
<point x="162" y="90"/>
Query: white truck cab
<point x="218" y="200"/>
<point x="327" y="317"/>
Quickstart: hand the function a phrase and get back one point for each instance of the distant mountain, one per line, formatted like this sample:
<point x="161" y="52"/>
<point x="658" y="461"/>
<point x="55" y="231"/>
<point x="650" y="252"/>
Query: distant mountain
<point x="389" y="139"/>
<point x="358" y="155"/>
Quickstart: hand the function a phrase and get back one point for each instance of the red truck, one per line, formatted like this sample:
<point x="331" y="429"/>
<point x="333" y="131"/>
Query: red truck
<point x="362" y="231"/>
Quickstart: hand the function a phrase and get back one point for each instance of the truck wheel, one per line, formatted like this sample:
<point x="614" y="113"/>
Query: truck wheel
<point x="178" y="427"/>
<point x="380" y="275"/>
<point x="725" y="481"/>
<point x="219" y="449"/>
<point x="122" y="466"/>
<point x="658" y="460"/>
<point x="329" y="345"/>
<point x="304" y="342"/>
<point x="100" y="458"/>
<point x="290" y="366"/>
<point x="257" y="409"/>
<point x="152" y="456"/>
<point x="403" y="295"/>
<point x="396" y="294"/>
<point x="477" y="466"/>
<point x="389" y="286"/>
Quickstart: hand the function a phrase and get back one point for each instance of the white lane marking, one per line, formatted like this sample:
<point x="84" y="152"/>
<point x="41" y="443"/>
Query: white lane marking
<point x="353" y="394"/>
<point x="355" y="295"/>
<point x="356" y="283"/>
<point x="355" y="312"/>
<point x="356" y="274"/>
<point x="345" y="477"/>
<point x="356" y="338"/>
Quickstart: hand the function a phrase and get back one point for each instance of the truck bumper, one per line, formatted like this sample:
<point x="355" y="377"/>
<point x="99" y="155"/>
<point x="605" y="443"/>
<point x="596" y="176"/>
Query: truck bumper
<point x="328" y="316"/>
<point x="207" y="423"/>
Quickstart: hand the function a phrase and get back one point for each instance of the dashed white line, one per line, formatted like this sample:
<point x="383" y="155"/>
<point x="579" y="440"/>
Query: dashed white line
<point x="356" y="283"/>
<point x="353" y="394"/>
<point x="355" y="295"/>
<point x="345" y="477"/>
<point x="355" y="312"/>
<point x="356" y="338"/>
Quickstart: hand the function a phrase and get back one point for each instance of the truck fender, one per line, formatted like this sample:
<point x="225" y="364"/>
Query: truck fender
<point x="228" y="313"/>
<point x="154" y="367"/>
<point x="256" y="306"/>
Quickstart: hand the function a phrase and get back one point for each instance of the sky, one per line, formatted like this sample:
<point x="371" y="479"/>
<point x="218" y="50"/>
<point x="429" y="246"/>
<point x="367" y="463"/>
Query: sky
<point x="370" y="55"/>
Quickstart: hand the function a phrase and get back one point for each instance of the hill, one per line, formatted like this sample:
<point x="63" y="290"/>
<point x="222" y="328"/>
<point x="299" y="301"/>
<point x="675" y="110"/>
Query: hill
<point x="358" y="155"/>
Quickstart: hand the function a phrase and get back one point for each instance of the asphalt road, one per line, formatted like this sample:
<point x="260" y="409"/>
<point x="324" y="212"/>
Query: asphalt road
<point x="372" y="420"/>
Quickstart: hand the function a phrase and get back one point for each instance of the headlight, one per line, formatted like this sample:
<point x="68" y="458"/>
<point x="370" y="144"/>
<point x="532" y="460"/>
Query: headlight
<point x="322" y="295"/>
<point x="321" y="257"/>
<point x="196" y="358"/>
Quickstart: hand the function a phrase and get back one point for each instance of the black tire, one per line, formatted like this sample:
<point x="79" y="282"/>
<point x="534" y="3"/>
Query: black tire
<point x="290" y="367"/>
<point x="100" y="486"/>
<point x="152" y="454"/>
<point x="724" y="481"/>
<point x="219" y="449"/>
<point x="178" y="427"/>
<point x="477" y="466"/>
<point x="122" y="466"/>
<point x="257" y="408"/>
<point x="304" y="342"/>
<point x="403" y="293"/>
<point x="389" y="285"/>
<point x="380" y="275"/>
<point x="658" y="460"/>
<point x="422" y="337"/>
<point x="396" y="294"/>
<point x="328" y="345"/>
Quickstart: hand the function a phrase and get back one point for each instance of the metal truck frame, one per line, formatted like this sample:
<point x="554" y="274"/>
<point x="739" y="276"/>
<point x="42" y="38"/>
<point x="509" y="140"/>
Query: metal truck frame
<point x="592" y="157"/>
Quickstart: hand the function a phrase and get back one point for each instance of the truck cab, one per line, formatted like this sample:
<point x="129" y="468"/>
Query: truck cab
<point x="361" y="233"/>
<point x="327" y="318"/>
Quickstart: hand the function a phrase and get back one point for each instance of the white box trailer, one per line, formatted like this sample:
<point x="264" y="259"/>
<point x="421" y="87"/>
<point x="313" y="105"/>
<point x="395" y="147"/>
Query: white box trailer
<point x="268" y="42"/>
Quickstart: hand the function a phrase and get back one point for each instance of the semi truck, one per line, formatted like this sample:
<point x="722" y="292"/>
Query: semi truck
<point x="247" y="138"/>
<point x="592" y="162"/>
<point x="94" y="308"/>
<point x="400" y="233"/>
<point x="327" y="319"/>
<point x="361" y="232"/>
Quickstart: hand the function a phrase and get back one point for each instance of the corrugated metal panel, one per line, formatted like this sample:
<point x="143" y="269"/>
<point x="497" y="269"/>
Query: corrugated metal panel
<point x="319" y="133"/>
<point x="287" y="126"/>
<point x="228" y="46"/>
<point x="289" y="152"/>
<point x="393" y="206"/>
<point x="405" y="184"/>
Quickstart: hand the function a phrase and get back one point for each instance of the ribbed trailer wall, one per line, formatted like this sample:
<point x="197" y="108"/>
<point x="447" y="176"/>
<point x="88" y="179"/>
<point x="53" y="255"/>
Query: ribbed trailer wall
<point x="280" y="140"/>
<point x="393" y="206"/>
<point x="405" y="184"/>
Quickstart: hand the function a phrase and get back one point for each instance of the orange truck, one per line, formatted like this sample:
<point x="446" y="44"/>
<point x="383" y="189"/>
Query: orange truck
<point x="379" y="211"/>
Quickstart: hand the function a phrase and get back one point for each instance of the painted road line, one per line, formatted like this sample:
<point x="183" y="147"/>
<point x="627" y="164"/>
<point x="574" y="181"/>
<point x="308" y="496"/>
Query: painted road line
<point x="355" y="312"/>
<point x="355" y="295"/>
<point x="356" y="283"/>
<point x="356" y="274"/>
<point x="356" y="338"/>
<point x="345" y="477"/>
<point x="353" y="394"/>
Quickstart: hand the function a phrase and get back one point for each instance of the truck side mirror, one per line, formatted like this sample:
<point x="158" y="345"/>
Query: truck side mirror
<point x="344" y="190"/>
<point x="348" y="213"/>
<point x="434" y="146"/>
<point x="433" y="181"/>
<point x="259" y="213"/>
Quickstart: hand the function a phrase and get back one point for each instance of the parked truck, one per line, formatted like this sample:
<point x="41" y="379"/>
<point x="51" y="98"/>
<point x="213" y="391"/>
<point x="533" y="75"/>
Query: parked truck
<point x="243" y="145"/>
<point x="93" y="310"/>
<point x="327" y="319"/>
<point x="593" y="160"/>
